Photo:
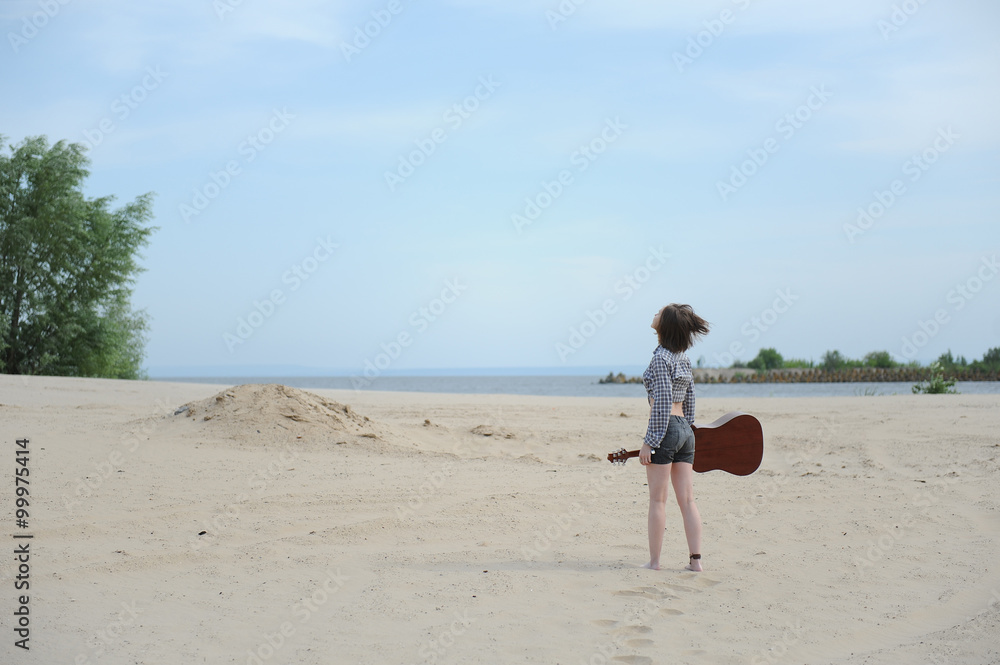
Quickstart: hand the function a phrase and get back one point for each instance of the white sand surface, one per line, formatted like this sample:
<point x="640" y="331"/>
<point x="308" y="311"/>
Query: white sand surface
<point x="429" y="528"/>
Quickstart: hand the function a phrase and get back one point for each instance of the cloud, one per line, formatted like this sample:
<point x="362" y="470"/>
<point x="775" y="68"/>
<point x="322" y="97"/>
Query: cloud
<point x="755" y="15"/>
<point x="307" y="21"/>
<point x="127" y="35"/>
<point x="908" y="103"/>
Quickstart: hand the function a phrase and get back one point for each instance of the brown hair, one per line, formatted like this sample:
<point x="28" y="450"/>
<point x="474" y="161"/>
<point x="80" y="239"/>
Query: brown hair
<point x="679" y="326"/>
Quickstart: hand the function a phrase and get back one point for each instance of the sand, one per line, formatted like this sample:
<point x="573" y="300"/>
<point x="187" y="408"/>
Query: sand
<point x="374" y="527"/>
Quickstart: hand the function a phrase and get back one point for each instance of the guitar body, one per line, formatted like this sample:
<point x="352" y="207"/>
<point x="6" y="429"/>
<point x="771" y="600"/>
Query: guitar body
<point x="734" y="443"/>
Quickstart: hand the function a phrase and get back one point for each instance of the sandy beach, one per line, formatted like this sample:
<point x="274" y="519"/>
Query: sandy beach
<point x="265" y="524"/>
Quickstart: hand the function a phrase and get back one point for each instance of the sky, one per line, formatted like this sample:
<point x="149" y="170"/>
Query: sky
<point x="455" y="184"/>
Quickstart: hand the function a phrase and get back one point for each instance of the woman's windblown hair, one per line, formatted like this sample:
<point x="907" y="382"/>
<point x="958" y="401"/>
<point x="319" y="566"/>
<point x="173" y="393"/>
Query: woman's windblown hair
<point x="679" y="326"/>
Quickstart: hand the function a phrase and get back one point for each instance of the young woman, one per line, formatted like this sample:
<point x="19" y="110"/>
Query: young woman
<point x="668" y="449"/>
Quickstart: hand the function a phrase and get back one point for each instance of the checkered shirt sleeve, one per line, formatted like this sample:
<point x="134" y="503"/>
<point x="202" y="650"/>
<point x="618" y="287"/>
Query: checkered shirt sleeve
<point x="688" y="406"/>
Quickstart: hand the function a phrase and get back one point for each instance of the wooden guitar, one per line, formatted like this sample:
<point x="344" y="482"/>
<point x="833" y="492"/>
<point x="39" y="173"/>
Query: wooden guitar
<point x="734" y="443"/>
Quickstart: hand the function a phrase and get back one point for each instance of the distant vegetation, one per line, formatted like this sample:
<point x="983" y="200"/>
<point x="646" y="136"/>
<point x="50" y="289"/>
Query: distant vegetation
<point x="620" y="378"/>
<point x="938" y="378"/>
<point x="833" y="361"/>
<point x="769" y="366"/>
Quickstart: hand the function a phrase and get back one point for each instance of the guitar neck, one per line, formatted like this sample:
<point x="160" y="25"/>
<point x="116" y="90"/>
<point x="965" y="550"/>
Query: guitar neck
<point x="622" y="455"/>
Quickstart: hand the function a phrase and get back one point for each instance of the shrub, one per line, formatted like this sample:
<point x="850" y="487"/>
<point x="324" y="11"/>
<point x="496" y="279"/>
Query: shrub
<point x="936" y="384"/>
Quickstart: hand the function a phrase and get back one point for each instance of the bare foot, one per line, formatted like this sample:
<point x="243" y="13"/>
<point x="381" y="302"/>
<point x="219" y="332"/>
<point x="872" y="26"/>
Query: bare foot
<point x="651" y="565"/>
<point x="695" y="564"/>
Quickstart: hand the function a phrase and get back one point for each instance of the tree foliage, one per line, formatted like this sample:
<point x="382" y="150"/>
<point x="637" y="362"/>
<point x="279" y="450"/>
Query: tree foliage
<point x="950" y="362"/>
<point x="766" y="359"/>
<point x="990" y="361"/>
<point x="881" y="359"/>
<point x="832" y="361"/>
<point x="67" y="266"/>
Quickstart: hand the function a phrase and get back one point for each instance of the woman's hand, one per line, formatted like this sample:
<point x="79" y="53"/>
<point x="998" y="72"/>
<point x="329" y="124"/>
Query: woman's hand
<point x="645" y="455"/>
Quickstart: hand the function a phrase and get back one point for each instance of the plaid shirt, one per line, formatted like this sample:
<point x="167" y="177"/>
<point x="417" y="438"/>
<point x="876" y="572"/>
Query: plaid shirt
<point x="668" y="377"/>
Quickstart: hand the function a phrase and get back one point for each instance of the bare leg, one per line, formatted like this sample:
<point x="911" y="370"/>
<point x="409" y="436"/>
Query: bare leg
<point x="657" y="476"/>
<point x="682" y="476"/>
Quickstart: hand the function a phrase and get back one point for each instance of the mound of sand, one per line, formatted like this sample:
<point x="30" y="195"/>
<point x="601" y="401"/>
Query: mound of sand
<point x="276" y="411"/>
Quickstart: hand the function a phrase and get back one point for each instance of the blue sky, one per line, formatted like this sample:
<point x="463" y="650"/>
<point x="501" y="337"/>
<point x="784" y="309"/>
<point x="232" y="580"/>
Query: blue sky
<point x="501" y="184"/>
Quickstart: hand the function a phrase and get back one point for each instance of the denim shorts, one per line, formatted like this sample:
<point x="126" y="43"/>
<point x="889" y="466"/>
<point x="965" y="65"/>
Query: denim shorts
<point x="677" y="444"/>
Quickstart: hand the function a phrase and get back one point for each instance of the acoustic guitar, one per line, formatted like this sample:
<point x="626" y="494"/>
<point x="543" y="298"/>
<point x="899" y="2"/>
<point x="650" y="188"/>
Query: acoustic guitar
<point x="734" y="443"/>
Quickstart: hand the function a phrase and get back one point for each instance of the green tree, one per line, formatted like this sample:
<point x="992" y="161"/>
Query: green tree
<point x="832" y="361"/>
<point x="67" y="266"/>
<point x="881" y="359"/>
<point x="766" y="359"/>
<point x="990" y="361"/>
<point x="949" y="362"/>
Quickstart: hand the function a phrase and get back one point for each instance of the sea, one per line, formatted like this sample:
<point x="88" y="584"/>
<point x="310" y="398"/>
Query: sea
<point x="581" y="386"/>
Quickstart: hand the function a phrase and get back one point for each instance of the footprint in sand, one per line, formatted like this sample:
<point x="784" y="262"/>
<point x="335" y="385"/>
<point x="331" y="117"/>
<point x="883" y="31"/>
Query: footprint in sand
<point x="643" y="591"/>
<point x="640" y="643"/>
<point x="634" y="630"/>
<point x="671" y="612"/>
<point x="699" y="583"/>
<point x="706" y="582"/>
<point x="604" y="623"/>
